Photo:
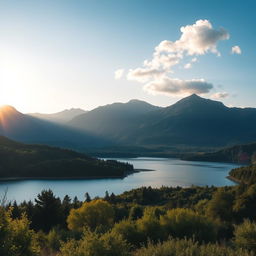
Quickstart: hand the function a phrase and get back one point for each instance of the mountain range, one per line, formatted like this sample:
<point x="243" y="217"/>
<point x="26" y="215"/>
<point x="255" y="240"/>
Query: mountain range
<point x="191" y="122"/>
<point x="28" y="129"/>
<point x="60" y="117"/>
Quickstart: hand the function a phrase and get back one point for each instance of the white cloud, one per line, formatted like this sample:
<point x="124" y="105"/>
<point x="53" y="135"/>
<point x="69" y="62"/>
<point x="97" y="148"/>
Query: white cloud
<point x="143" y="74"/>
<point x="188" y="66"/>
<point x="119" y="73"/>
<point x="196" y="39"/>
<point x="236" y="50"/>
<point x="171" y="86"/>
<point x="220" y="95"/>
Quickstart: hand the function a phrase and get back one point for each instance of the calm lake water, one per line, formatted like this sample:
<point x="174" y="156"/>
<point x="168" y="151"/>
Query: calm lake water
<point x="168" y="172"/>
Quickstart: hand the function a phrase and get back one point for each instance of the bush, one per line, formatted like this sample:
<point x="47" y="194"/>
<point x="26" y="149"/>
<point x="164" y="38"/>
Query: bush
<point x="188" y="248"/>
<point x="183" y="223"/>
<point x="15" y="236"/>
<point x="245" y="235"/>
<point x="93" y="244"/>
<point x="91" y="214"/>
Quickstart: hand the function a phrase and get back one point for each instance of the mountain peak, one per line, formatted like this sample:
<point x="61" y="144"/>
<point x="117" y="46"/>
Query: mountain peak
<point x="7" y="109"/>
<point x="132" y="101"/>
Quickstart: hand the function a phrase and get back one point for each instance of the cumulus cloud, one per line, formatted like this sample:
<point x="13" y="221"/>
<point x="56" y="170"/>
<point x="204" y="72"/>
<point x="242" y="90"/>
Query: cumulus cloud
<point x="119" y="73"/>
<point x="220" y="95"/>
<point x="236" y="50"/>
<point x="195" y="40"/>
<point x="172" y="86"/>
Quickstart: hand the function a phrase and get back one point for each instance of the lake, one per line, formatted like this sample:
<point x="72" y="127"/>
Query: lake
<point x="168" y="172"/>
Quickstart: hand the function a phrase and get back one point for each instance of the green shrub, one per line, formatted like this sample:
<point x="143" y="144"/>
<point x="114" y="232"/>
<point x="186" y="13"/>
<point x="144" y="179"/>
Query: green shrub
<point x="245" y="235"/>
<point x="183" y="223"/>
<point x="188" y="248"/>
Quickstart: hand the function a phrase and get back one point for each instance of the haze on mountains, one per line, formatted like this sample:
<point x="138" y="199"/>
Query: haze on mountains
<point x="192" y="121"/>
<point x="60" y="117"/>
<point x="28" y="129"/>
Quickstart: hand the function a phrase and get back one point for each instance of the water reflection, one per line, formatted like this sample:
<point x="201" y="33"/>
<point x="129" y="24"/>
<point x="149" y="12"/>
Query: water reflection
<point x="168" y="172"/>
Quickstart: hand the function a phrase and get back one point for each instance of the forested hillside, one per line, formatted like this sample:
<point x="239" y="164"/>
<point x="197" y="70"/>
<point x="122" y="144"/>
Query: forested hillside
<point x="236" y="154"/>
<point x="245" y="174"/>
<point x="19" y="160"/>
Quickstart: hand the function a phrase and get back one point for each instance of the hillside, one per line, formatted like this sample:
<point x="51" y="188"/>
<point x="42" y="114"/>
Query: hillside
<point x="236" y="154"/>
<point x="28" y="129"/>
<point x="245" y="174"/>
<point x="192" y="124"/>
<point x="115" y="121"/>
<point x="192" y="121"/>
<point x="19" y="160"/>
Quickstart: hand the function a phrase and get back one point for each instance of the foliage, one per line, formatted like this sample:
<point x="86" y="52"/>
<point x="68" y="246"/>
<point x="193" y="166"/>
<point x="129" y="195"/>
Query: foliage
<point x="15" y="236"/>
<point x="93" y="244"/>
<point x="183" y="223"/>
<point x="245" y="235"/>
<point x="184" y="247"/>
<point x="220" y="206"/>
<point x="40" y="161"/>
<point x="92" y="214"/>
<point x="246" y="174"/>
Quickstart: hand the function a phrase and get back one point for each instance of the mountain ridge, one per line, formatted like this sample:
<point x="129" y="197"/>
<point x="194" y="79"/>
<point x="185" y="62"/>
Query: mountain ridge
<point x="190" y="122"/>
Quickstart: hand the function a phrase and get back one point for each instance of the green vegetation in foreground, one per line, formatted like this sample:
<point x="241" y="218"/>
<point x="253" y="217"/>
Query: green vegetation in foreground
<point x="37" y="161"/>
<point x="201" y="221"/>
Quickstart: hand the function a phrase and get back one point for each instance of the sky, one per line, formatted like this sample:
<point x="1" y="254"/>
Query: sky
<point x="57" y="55"/>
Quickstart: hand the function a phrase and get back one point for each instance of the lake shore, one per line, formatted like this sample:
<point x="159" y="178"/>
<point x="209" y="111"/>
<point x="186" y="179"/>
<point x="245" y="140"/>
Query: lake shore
<point x="233" y="179"/>
<point x="74" y="178"/>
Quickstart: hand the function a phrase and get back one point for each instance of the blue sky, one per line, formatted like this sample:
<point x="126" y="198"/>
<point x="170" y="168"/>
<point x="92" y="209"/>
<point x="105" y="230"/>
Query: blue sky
<point x="61" y="54"/>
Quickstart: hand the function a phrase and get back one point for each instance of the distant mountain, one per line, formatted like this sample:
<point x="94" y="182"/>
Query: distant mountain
<point x="192" y="121"/>
<point x="235" y="154"/>
<point x="28" y="129"/>
<point x="202" y="122"/>
<point x="19" y="160"/>
<point x="115" y="121"/>
<point x="60" y="117"/>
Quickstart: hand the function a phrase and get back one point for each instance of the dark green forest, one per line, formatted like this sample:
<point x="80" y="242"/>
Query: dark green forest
<point x="236" y="154"/>
<point x="146" y="221"/>
<point x="245" y="174"/>
<point x="38" y="161"/>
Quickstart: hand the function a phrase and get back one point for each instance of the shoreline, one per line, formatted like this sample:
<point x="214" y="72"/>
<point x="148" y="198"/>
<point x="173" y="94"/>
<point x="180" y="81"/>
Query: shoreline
<point x="233" y="179"/>
<point x="74" y="178"/>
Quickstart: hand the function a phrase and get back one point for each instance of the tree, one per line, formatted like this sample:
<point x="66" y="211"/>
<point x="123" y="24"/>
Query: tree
<point x="220" y="206"/>
<point x="129" y="232"/>
<point x="93" y="214"/>
<point x="48" y="211"/>
<point x="87" y="197"/>
<point x="149" y="224"/>
<point x="244" y="206"/>
<point x="136" y="212"/>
